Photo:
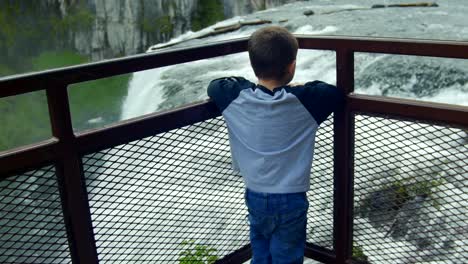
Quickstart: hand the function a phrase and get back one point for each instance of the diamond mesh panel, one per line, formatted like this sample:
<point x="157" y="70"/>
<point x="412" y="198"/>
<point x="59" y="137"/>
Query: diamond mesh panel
<point x="32" y="228"/>
<point x="410" y="191"/>
<point x="150" y="195"/>
<point x="320" y="214"/>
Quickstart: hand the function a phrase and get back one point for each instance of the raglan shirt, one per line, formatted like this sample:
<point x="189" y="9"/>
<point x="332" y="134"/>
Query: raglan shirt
<point x="272" y="133"/>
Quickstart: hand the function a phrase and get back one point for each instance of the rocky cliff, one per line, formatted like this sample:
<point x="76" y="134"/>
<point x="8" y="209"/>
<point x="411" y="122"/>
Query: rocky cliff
<point x="129" y="27"/>
<point x="103" y="29"/>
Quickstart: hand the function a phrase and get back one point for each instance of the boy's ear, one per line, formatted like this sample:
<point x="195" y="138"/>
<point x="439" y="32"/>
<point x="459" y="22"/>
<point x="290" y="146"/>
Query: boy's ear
<point x="292" y="67"/>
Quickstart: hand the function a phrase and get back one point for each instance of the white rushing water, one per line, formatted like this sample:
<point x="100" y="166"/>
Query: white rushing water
<point x="422" y="153"/>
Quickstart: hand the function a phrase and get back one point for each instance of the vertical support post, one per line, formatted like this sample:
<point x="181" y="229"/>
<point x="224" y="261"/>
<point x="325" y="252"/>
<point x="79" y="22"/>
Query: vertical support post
<point x="69" y="170"/>
<point x="343" y="161"/>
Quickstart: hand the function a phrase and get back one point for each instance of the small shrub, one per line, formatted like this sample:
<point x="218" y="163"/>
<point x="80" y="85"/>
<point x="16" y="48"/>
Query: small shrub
<point x="358" y="254"/>
<point x="193" y="253"/>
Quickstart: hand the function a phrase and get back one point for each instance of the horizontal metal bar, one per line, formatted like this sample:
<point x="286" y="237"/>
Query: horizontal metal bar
<point x="18" y="84"/>
<point x="237" y="257"/>
<point x="318" y="253"/>
<point x="414" y="47"/>
<point x="310" y="251"/>
<point x="22" y="159"/>
<point x="420" y="110"/>
<point x="145" y="126"/>
<point x="24" y="83"/>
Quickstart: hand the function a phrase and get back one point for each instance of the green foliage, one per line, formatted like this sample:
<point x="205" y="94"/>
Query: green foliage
<point x="25" y="120"/>
<point x="5" y="70"/>
<point x="30" y="27"/>
<point x="400" y="192"/>
<point x="358" y="253"/>
<point x="7" y="24"/>
<point x="99" y="98"/>
<point x="408" y="191"/>
<point x="56" y="59"/>
<point x="161" y="24"/>
<point x="207" y="13"/>
<point x="196" y="254"/>
<point x="78" y="18"/>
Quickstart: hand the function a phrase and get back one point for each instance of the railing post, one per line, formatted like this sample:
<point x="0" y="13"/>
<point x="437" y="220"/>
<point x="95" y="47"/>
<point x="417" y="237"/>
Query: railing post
<point x="343" y="161"/>
<point x="69" y="170"/>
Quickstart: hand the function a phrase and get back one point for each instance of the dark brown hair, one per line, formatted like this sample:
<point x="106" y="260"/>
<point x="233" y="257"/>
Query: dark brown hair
<point x="271" y="50"/>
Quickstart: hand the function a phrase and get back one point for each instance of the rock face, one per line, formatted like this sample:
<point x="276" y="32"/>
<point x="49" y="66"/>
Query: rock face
<point x="123" y="27"/>
<point x="242" y="7"/>
<point x="103" y="29"/>
<point x="128" y="27"/>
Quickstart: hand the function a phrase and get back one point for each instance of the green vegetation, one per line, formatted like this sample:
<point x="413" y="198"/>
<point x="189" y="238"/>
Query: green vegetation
<point x="392" y="196"/>
<point x="54" y="59"/>
<point x="27" y="28"/>
<point x="358" y="254"/>
<point x="25" y="118"/>
<point x="160" y="24"/>
<point x="208" y="12"/>
<point x="197" y="254"/>
<point x="408" y="191"/>
<point x="79" y="18"/>
<point x="97" y="99"/>
<point x="5" y="70"/>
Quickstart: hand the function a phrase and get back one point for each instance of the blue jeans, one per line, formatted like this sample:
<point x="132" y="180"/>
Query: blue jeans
<point x="277" y="226"/>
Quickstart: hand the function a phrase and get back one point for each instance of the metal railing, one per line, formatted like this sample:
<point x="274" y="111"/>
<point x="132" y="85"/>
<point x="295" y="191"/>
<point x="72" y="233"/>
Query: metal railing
<point x="135" y="190"/>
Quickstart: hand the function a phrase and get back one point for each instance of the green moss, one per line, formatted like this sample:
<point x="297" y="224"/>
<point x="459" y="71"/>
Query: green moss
<point x="398" y="193"/>
<point x="161" y="24"/>
<point x="79" y="18"/>
<point x="408" y="191"/>
<point x="207" y="13"/>
<point x="99" y="98"/>
<point x="358" y="254"/>
<point x="193" y="253"/>
<point x="5" y="70"/>
<point x="8" y="33"/>
<point x="25" y="118"/>
<point x="55" y="59"/>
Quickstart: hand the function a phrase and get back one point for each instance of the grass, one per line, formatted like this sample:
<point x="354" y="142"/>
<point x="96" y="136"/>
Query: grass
<point x="25" y="120"/>
<point x="55" y="59"/>
<point x="358" y="254"/>
<point x="97" y="99"/>
<point x="193" y="253"/>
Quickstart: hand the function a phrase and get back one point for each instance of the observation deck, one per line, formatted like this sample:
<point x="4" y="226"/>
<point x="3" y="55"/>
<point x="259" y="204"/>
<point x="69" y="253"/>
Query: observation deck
<point x="134" y="191"/>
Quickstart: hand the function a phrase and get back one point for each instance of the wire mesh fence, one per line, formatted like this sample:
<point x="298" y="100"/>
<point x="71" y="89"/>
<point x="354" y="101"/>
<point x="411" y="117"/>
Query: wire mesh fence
<point x="410" y="191"/>
<point x="150" y="197"/>
<point x="320" y="214"/>
<point x="32" y="228"/>
<point x="153" y="198"/>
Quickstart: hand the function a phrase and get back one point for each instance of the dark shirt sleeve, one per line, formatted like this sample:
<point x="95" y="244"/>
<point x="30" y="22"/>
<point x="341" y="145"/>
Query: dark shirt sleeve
<point x="319" y="98"/>
<point x="225" y="90"/>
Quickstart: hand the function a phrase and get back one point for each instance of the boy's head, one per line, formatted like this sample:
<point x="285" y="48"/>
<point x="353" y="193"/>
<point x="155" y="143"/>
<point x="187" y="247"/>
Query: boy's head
<point x="272" y="53"/>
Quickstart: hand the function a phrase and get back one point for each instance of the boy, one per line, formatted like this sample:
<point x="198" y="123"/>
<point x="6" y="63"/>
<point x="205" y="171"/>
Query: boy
<point x="272" y="130"/>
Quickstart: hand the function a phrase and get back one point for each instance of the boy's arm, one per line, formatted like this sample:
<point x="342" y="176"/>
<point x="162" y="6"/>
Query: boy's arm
<point x="224" y="90"/>
<point x="319" y="98"/>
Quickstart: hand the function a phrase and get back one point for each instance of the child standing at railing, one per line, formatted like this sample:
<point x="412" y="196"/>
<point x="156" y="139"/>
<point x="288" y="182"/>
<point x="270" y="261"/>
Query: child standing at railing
<point x="272" y="128"/>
